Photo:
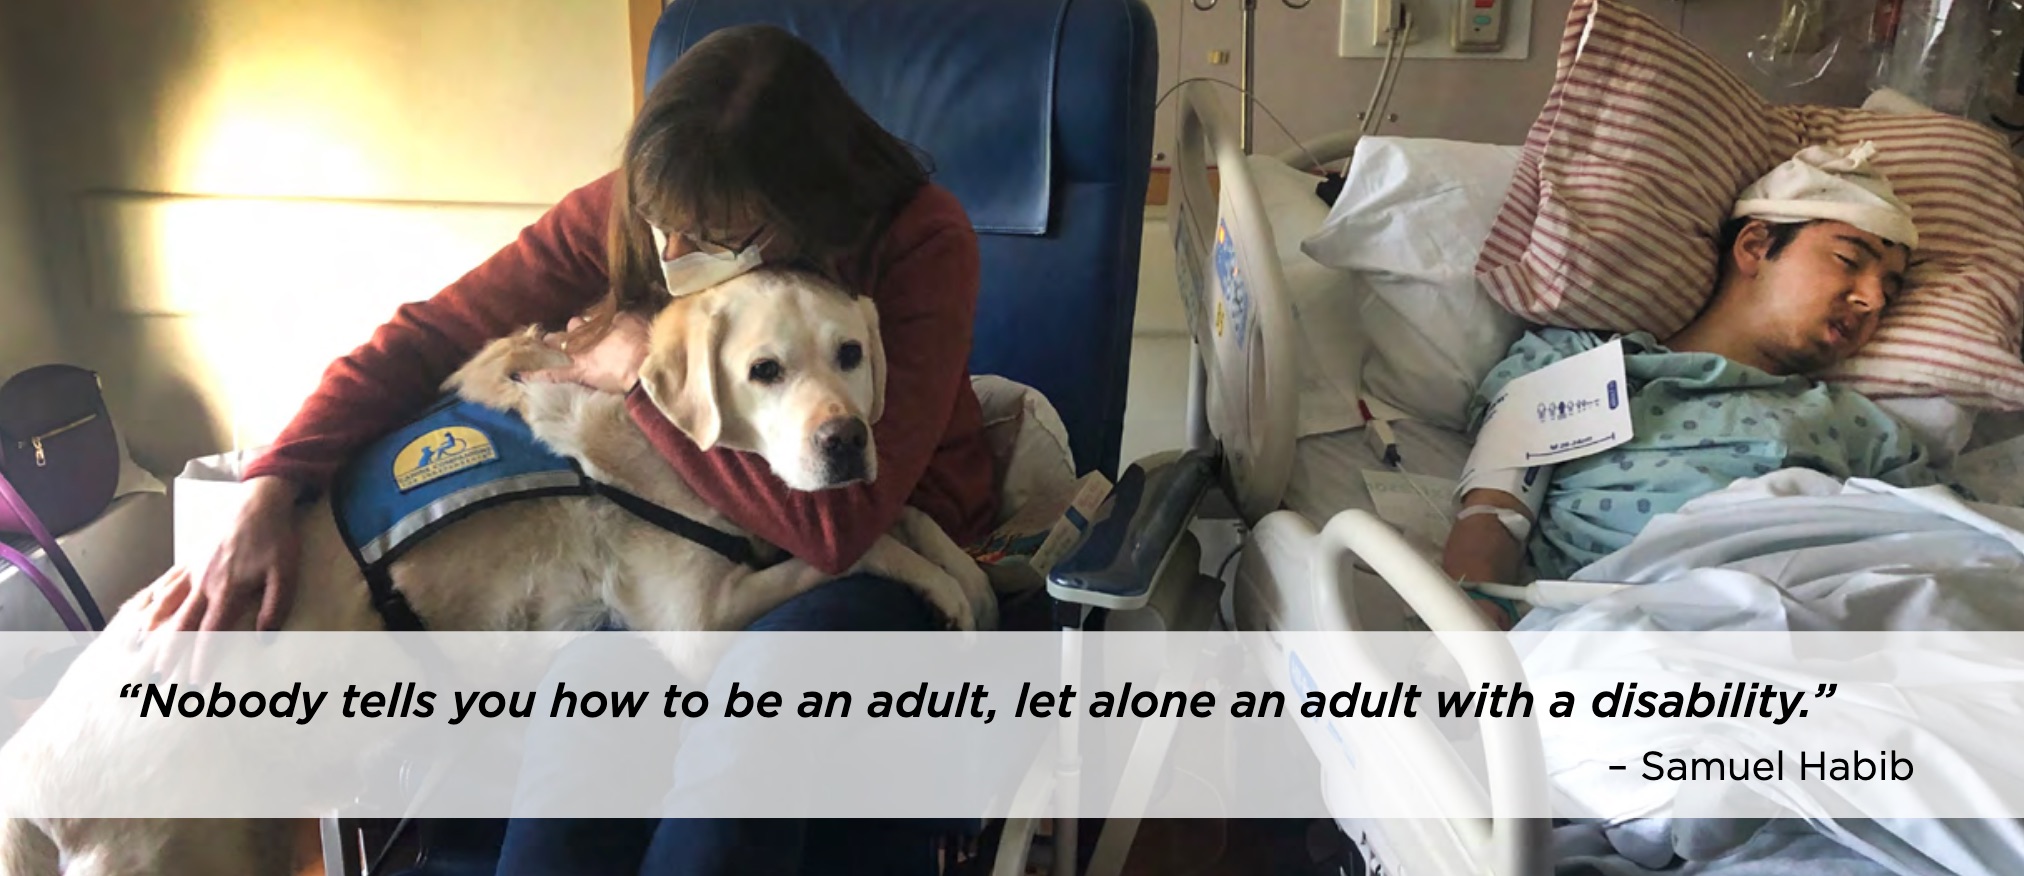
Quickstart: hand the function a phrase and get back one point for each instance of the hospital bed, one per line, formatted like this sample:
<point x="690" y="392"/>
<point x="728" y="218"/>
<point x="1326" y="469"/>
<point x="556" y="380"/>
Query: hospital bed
<point x="1357" y="572"/>
<point x="1318" y="556"/>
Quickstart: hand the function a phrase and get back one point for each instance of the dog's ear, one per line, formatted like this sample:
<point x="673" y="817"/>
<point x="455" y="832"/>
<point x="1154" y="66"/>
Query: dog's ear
<point x="876" y="355"/>
<point x="680" y="371"/>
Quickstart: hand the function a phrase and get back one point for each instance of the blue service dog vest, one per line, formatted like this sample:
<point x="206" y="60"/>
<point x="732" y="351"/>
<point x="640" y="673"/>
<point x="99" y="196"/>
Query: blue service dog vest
<point x="459" y="458"/>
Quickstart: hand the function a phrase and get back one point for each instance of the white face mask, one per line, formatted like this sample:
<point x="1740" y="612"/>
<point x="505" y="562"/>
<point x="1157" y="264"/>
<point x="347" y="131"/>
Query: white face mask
<point x="700" y="270"/>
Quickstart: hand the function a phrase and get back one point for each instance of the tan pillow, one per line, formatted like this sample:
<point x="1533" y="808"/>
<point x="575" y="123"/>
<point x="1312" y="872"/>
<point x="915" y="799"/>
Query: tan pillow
<point x="1612" y="219"/>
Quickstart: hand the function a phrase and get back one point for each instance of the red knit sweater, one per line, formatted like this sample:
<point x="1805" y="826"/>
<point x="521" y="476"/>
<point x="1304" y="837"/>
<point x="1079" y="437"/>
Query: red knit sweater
<point x="931" y="447"/>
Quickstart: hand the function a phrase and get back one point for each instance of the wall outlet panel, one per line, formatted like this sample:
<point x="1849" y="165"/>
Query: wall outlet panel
<point x="1433" y="25"/>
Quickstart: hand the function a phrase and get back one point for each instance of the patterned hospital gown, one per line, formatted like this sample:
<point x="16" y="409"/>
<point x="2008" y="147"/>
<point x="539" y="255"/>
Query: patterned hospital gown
<point x="1701" y="421"/>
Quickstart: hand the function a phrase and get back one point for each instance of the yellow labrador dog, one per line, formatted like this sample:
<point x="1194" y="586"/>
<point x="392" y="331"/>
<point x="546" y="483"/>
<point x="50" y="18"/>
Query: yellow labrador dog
<point x="776" y="363"/>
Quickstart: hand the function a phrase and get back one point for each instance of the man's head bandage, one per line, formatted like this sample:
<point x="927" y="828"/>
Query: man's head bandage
<point x="1832" y="183"/>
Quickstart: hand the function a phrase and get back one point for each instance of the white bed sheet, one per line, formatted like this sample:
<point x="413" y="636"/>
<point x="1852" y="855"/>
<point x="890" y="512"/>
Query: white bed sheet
<point x="1328" y="468"/>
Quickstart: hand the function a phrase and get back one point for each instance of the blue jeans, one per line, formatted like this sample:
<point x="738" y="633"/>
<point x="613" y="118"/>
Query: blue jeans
<point x="750" y="847"/>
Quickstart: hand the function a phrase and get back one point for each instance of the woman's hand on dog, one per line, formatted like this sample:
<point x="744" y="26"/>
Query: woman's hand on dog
<point x="608" y="361"/>
<point x="252" y="571"/>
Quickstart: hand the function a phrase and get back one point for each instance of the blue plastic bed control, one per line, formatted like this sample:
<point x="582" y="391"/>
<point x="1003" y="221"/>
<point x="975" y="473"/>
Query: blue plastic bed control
<point x="1136" y="529"/>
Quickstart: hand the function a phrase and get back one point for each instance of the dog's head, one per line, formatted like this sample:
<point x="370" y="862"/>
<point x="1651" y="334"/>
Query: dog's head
<point x="779" y="363"/>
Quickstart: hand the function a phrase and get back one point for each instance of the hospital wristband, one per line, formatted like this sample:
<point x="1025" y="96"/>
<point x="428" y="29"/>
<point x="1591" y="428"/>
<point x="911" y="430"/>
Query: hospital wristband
<point x="1515" y="523"/>
<point x="1527" y="484"/>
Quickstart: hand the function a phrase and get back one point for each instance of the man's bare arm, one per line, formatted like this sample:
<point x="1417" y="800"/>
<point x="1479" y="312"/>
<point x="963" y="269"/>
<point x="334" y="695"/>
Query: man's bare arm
<point x="1479" y="548"/>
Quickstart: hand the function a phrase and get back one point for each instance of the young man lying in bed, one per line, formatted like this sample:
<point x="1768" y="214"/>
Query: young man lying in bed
<point x="1814" y="252"/>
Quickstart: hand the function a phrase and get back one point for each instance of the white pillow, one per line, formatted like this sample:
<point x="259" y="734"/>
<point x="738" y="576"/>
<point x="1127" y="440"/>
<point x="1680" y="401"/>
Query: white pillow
<point x="1028" y="442"/>
<point x="1941" y="424"/>
<point x="1409" y="224"/>
<point x="1325" y="300"/>
<point x="1894" y="102"/>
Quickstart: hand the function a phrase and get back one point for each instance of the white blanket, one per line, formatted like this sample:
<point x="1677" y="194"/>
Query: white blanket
<point x="1795" y="550"/>
<point x="1798" y="550"/>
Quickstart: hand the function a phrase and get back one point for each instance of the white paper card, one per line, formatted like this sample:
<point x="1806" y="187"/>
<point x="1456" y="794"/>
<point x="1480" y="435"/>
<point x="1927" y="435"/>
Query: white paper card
<point x="208" y="496"/>
<point x="1993" y="472"/>
<point x="1576" y="407"/>
<point x="1417" y="504"/>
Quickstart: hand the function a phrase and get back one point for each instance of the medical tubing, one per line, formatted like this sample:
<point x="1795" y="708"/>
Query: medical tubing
<point x="1387" y="79"/>
<point x="1506" y="591"/>
<point x="1313" y="161"/>
<point x="1547" y="593"/>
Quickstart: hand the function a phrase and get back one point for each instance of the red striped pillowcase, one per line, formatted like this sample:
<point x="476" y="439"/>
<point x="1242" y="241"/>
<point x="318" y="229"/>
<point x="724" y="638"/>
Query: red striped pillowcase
<point x="1612" y="219"/>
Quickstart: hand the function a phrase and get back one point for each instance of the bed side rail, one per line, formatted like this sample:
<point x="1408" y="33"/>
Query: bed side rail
<point x="1511" y="846"/>
<point x="1245" y="383"/>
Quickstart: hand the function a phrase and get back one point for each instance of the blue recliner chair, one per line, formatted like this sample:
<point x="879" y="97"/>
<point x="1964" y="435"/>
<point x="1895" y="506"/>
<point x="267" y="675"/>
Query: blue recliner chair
<point x="1038" y="116"/>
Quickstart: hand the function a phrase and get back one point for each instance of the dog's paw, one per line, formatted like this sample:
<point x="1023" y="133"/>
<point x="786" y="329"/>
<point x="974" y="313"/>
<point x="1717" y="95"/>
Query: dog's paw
<point x="962" y="616"/>
<point x="926" y="537"/>
<point x="491" y="378"/>
<point x="986" y="612"/>
<point x="966" y="630"/>
<point x="976" y="586"/>
<point x="948" y="600"/>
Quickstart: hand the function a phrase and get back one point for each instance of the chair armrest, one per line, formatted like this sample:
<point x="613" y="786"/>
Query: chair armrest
<point x="1136" y="531"/>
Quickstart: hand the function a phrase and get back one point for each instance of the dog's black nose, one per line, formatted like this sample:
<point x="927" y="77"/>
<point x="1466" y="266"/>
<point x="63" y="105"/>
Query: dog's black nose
<point x="843" y="435"/>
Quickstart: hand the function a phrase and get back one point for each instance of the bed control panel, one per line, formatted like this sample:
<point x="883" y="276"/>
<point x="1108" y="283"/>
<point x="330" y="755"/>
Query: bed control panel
<point x="1479" y="25"/>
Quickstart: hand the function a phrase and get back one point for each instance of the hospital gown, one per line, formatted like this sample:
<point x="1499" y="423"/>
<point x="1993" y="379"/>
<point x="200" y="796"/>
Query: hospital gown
<point x="1700" y="421"/>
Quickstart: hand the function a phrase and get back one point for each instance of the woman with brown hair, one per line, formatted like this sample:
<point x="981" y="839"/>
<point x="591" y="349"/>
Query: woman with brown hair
<point x="749" y="141"/>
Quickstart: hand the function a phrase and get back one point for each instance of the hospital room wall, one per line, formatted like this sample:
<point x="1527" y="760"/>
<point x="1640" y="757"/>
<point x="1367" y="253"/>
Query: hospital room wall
<point x="1299" y="77"/>
<point x="28" y="330"/>
<point x="1316" y="93"/>
<point x="186" y="183"/>
<point x="311" y="138"/>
